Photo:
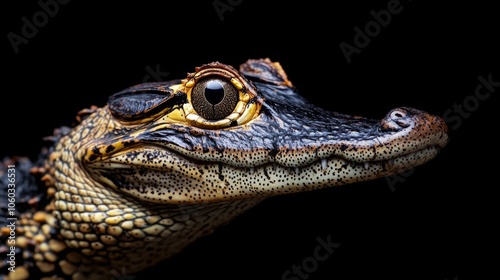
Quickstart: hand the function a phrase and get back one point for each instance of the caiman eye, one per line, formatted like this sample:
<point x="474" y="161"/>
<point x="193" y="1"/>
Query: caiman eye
<point x="218" y="96"/>
<point x="214" y="99"/>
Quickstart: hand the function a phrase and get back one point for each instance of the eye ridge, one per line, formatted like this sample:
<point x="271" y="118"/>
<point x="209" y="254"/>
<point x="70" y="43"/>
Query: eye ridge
<point x="214" y="98"/>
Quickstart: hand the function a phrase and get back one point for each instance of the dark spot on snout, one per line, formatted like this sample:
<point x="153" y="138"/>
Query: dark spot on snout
<point x="221" y="177"/>
<point x="273" y="152"/>
<point x="128" y="143"/>
<point x="96" y="151"/>
<point x="110" y="148"/>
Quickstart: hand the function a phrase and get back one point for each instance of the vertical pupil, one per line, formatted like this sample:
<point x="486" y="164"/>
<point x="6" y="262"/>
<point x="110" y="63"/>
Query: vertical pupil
<point x="214" y="92"/>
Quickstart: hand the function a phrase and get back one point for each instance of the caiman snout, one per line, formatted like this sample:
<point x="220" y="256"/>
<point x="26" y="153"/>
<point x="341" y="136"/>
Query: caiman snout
<point x="413" y="130"/>
<point x="401" y="118"/>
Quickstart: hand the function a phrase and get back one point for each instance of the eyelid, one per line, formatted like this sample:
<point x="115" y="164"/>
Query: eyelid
<point x="236" y="84"/>
<point x="139" y="104"/>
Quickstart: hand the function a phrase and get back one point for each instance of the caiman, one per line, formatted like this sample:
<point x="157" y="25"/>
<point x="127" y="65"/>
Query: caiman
<point x="163" y="164"/>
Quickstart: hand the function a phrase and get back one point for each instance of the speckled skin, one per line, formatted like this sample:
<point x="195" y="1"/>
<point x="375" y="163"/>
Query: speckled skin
<point x="142" y="177"/>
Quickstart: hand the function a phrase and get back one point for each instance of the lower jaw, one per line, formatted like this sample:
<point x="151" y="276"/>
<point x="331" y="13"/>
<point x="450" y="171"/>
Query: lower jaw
<point x="205" y="182"/>
<point x="338" y="171"/>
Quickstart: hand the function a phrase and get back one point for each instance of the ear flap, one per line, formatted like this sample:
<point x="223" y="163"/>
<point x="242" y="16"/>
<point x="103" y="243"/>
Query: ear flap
<point x="265" y="71"/>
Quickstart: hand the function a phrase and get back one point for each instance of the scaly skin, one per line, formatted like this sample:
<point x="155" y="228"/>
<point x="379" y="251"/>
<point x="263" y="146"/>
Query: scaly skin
<point x="144" y="176"/>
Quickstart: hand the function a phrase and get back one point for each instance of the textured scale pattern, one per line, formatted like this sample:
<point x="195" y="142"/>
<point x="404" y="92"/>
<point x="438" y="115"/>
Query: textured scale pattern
<point x="106" y="227"/>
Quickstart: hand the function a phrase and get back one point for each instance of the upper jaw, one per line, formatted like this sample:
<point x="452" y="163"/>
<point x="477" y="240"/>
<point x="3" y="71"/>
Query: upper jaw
<point x="287" y="143"/>
<point x="298" y="143"/>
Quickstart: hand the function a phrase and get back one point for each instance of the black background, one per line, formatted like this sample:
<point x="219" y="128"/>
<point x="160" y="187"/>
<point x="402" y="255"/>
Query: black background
<point x="436" y="223"/>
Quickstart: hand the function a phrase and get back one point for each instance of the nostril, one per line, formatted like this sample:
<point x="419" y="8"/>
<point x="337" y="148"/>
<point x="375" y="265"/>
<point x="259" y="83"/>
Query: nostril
<point x="397" y="115"/>
<point x="395" y="120"/>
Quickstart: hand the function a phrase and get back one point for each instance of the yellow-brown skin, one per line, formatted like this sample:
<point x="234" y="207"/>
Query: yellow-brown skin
<point x="101" y="230"/>
<point x="100" y="222"/>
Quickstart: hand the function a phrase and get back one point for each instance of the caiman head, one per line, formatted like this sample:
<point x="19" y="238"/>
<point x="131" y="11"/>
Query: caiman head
<point x="222" y="135"/>
<point x="164" y="163"/>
